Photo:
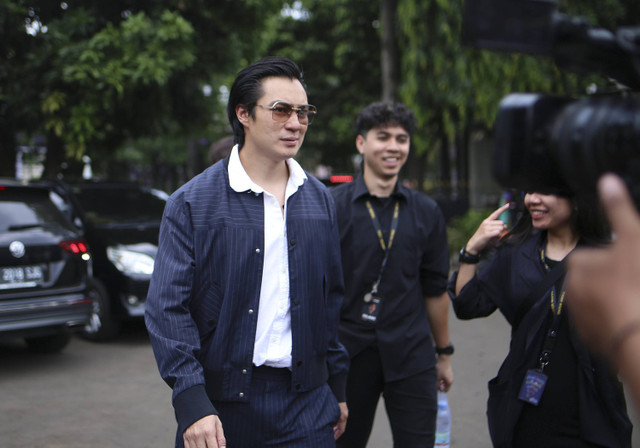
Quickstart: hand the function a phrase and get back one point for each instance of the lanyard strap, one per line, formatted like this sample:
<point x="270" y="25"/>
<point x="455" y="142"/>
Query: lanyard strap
<point x="555" y="301"/>
<point x="385" y="247"/>
<point x="556" y="309"/>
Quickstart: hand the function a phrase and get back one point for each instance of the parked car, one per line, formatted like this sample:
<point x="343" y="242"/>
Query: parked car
<point x="121" y="222"/>
<point x="44" y="270"/>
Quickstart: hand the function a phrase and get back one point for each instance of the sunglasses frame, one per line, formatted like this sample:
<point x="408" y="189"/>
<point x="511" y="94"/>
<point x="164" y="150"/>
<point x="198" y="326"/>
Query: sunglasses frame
<point x="307" y="111"/>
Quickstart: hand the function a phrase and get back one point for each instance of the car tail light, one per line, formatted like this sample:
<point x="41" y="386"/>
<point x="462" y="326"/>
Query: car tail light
<point x="76" y="247"/>
<point x="341" y="179"/>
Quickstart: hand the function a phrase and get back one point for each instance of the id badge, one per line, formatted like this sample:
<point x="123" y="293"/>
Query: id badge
<point x="370" y="309"/>
<point x="532" y="387"/>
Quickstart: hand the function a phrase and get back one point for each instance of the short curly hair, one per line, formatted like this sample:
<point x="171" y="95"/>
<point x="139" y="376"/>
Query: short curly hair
<point x="383" y="113"/>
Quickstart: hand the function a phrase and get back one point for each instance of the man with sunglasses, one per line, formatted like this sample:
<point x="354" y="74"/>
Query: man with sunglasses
<point x="244" y="303"/>
<point x="396" y="267"/>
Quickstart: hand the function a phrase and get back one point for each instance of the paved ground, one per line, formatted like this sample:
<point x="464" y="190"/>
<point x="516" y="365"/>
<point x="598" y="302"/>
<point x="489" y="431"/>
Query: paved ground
<point x="110" y="395"/>
<point x="481" y="345"/>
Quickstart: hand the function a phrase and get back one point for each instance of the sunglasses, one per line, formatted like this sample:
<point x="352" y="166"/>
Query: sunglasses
<point x="281" y="111"/>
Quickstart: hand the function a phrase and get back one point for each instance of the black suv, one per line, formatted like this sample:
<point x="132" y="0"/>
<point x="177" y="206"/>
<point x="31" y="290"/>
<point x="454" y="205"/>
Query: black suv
<point x="44" y="270"/>
<point x="121" y="223"/>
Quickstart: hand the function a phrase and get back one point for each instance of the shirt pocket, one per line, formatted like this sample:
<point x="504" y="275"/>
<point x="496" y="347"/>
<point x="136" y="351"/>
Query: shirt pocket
<point x="407" y="256"/>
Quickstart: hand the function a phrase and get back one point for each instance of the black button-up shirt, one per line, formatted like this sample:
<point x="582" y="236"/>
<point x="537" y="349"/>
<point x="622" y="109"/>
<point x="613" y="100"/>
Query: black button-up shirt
<point x="418" y="267"/>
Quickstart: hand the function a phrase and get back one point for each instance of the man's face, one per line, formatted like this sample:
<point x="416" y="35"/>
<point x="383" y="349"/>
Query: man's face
<point x="276" y="140"/>
<point x="385" y="150"/>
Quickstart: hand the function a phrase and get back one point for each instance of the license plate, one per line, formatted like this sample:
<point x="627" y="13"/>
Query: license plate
<point x="21" y="277"/>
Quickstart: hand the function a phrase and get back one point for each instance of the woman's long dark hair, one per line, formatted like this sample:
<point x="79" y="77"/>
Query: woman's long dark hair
<point x="587" y="222"/>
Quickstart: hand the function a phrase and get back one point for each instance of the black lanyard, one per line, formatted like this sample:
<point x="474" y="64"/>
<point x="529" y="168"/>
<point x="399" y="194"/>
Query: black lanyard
<point x="386" y="247"/>
<point x="556" y="309"/>
<point x="555" y="301"/>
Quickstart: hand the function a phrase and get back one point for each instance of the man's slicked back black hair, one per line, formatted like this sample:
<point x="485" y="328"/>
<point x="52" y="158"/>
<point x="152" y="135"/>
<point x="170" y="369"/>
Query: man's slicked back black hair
<point x="247" y="87"/>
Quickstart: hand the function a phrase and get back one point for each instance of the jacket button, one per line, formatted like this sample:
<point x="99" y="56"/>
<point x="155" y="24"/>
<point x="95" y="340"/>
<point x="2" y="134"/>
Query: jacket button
<point x="250" y="311"/>
<point x="241" y="394"/>
<point x="257" y="250"/>
<point x="244" y="371"/>
<point x="292" y="242"/>
<point x="299" y="363"/>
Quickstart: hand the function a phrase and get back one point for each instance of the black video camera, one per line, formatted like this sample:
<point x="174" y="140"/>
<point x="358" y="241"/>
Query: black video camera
<point x="548" y="143"/>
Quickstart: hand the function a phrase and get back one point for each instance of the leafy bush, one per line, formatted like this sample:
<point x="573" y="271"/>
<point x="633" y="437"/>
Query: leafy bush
<point x="461" y="228"/>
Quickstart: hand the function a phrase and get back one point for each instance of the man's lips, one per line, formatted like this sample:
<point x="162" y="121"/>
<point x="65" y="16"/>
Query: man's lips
<point x="290" y="140"/>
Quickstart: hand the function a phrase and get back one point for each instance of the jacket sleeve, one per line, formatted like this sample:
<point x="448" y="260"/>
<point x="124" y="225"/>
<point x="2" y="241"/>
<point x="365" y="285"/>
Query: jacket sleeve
<point x="337" y="356"/>
<point x="172" y="330"/>
<point x="483" y="294"/>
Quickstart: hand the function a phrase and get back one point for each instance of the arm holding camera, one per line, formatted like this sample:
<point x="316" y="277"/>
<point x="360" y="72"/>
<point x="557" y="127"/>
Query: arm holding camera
<point x="604" y="286"/>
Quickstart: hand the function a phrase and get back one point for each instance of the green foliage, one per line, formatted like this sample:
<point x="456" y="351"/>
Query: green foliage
<point x="461" y="228"/>
<point x="97" y="74"/>
<point x="451" y="87"/>
<point x="103" y="75"/>
<point x="102" y="72"/>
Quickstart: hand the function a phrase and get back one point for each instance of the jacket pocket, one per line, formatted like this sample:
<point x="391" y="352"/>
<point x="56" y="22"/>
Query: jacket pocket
<point x="206" y="307"/>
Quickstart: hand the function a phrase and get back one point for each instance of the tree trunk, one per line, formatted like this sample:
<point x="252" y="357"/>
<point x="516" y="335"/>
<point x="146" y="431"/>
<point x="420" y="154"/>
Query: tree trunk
<point x="389" y="50"/>
<point x="53" y="164"/>
<point x="444" y="177"/>
<point x="7" y="150"/>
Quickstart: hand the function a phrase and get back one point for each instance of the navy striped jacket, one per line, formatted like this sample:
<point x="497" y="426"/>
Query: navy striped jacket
<point x="202" y="305"/>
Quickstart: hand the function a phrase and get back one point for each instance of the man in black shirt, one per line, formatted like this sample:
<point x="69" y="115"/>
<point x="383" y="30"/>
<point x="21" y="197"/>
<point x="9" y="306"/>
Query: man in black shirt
<point x="395" y="259"/>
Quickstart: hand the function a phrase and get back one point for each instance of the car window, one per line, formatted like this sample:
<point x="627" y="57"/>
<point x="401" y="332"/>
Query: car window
<point x="24" y="208"/>
<point x="119" y="204"/>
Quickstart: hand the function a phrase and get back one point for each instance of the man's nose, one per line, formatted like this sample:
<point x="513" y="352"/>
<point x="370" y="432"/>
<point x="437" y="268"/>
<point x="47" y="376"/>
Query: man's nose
<point x="293" y="120"/>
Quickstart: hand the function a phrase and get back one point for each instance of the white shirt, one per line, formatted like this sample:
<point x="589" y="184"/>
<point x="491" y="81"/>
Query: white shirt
<point x="273" y="333"/>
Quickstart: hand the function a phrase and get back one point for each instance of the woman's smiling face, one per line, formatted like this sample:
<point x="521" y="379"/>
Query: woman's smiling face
<point x="548" y="211"/>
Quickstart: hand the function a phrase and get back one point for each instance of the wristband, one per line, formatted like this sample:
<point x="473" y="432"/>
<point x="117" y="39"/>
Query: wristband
<point x="466" y="257"/>
<point x="448" y="350"/>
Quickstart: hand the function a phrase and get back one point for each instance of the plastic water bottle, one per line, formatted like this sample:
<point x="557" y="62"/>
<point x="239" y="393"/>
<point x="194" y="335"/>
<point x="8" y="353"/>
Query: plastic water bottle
<point x="443" y="422"/>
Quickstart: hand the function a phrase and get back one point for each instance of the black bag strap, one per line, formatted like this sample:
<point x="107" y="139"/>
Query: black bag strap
<point x="538" y="292"/>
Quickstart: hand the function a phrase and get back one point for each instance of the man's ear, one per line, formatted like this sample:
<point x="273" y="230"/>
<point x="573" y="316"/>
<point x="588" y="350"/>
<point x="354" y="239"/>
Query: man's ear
<point x="243" y="114"/>
<point x="360" y="142"/>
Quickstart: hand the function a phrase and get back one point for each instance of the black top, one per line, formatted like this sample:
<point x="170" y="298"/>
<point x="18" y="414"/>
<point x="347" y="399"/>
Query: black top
<point x="417" y="267"/>
<point x="558" y="411"/>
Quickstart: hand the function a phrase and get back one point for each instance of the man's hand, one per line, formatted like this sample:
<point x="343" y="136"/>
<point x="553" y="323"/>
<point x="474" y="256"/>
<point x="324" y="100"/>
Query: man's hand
<point x="445" y="373"/>
<point x="604" y="284"/>
<point x="339" y="428"/>
<point x="205" y="433"/>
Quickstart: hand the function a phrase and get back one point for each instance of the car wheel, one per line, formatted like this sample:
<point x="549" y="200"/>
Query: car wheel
<point x="48" y="344"/>
<point x="102" y="325"/>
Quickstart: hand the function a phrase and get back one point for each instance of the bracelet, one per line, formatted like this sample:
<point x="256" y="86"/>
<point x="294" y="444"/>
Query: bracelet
<point x="466" y="257"/>
<point x="618" y="340"/>
<point x="448" y="350"/>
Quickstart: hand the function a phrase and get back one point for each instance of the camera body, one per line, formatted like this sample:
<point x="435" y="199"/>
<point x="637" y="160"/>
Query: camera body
<point x="549" y="143"/>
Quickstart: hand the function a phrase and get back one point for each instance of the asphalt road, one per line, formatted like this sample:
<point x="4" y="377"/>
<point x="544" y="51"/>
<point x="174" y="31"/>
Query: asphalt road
<point x="111" y="396"/>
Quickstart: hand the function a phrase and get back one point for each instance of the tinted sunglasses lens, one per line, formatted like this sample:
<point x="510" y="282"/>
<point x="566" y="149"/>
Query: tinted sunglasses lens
<point x="281" y="111"/>
<point x="306" y="115"/>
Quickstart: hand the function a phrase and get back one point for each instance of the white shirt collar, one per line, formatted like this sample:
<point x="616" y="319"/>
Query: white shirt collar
<point x="241" y="182"/>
